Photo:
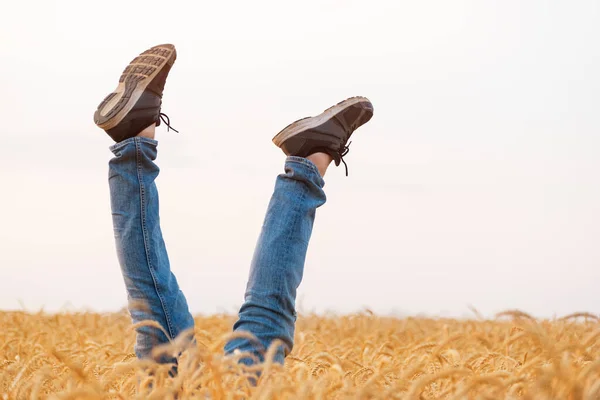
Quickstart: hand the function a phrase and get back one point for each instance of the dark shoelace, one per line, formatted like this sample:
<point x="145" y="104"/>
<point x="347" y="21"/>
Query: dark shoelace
<point x="349" y="130"/>
<point x="165" y="118"/>
<point x="343" y="151"/>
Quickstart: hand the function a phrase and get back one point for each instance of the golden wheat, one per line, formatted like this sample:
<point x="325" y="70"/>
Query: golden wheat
<point x="362" y="356"/>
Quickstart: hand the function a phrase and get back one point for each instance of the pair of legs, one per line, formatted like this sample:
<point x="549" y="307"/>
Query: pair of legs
<point x="129" y="116"/>
<point x="268" y="311"/>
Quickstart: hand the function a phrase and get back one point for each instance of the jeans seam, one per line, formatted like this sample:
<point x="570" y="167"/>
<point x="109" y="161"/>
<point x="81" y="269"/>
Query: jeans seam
<point x="145" y="233"/>
<point x="297" y="220"/>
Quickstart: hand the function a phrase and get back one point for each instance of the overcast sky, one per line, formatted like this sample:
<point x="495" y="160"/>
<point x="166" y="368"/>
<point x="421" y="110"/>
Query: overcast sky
<point x="476" y="182"/>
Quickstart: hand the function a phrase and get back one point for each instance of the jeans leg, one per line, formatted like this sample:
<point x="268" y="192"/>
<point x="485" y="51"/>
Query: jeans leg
<point x="276" y="271"/>
<point x="140" y="246"/>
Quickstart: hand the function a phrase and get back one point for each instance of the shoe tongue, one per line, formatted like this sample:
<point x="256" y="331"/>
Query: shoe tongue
<point x="157" y="85"/>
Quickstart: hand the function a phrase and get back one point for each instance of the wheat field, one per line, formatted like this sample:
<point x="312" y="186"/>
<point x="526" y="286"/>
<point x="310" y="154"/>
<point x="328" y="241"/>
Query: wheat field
<point x="362" y="356"/>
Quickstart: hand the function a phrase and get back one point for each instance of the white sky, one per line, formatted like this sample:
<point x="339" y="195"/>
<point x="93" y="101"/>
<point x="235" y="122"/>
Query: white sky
<point x="476" y="182"/>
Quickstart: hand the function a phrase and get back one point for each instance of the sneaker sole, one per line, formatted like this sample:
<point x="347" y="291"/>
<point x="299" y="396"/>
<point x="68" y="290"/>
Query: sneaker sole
<point x="132" y="83"/>
<point x="312" y="122"/>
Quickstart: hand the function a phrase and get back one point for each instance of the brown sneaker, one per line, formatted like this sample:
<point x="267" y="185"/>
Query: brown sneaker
<point x="135" y="103"/>
<point x="328" y="132"/>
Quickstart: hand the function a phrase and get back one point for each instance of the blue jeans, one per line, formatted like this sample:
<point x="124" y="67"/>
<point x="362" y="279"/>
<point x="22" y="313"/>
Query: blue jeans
<point x="268" y="311"/>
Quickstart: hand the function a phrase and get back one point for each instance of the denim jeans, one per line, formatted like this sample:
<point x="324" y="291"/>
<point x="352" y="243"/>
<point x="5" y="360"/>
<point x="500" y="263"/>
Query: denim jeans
<point x="268" y="311"/>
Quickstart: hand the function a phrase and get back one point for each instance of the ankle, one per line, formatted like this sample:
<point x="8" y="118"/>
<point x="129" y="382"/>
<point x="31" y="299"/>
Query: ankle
<point x="148" y="132"/>
<point x="321" y="161"/>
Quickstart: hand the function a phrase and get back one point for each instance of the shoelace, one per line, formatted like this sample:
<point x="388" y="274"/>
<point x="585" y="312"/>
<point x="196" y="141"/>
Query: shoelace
<point x="343" y="151"/>
<point x="165" y="118"/>
<point x="346" y="148"/>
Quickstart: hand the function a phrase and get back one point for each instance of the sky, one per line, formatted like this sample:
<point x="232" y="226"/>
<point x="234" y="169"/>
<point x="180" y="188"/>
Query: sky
<point x="475" y="183"/>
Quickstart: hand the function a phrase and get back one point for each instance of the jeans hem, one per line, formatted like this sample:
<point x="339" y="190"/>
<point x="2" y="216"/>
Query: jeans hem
<point x="138" y="139"/>
<point x="304" y="161"/>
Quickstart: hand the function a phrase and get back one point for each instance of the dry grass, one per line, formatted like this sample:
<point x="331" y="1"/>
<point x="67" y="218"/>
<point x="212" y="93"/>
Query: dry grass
<point x="89" y="356"/>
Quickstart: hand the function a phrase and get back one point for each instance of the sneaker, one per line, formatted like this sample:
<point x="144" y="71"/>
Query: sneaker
<point x="135" y="103"/>
<point x="328" y="132"/>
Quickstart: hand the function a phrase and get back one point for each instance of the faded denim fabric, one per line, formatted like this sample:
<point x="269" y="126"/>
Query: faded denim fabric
<point x="268" y="311"/>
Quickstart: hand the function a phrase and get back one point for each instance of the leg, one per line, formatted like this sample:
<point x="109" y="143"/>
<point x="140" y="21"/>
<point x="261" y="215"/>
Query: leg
<point x="152" y="288"/>
<point x="276" y="271"/>
<point x="311" y="144"/>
